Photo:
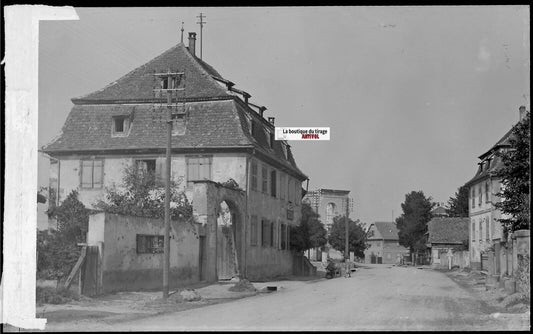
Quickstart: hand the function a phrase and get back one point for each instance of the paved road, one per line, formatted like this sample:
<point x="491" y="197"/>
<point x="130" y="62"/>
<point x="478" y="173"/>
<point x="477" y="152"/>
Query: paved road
<point x="380" y="298"/>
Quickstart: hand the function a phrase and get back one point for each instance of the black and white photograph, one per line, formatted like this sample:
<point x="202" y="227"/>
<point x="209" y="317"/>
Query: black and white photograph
<point x="328" y="168"/>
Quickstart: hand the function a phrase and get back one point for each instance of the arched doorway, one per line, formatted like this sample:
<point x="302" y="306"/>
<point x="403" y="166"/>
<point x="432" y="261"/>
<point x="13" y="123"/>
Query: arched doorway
<point x="228" y="241"/>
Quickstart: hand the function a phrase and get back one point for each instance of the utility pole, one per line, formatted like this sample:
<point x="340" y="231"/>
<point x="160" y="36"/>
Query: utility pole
<point x="201" y="23"/>
<point x="169" y="84"/>
<point x="347" y="244"/>
<point x="166" y="263"/>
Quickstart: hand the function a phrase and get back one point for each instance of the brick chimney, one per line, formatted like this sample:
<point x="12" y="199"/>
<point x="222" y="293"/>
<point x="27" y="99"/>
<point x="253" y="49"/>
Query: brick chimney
<point x="262" y="110"/>
<point x="192" y="43"/>
<point x="522" y="112"/>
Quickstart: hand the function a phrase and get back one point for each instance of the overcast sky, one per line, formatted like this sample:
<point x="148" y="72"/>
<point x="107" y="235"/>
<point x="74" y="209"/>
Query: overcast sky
<point x="413" y="95"/>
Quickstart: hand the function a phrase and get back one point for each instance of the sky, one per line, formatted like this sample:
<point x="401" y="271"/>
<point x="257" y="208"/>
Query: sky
<point x="413" y="95"/>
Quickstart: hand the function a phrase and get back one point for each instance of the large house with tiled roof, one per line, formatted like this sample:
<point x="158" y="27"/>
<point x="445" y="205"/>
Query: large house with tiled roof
<point x="384" y="244"/>
<point x="217" y="135"/>
<point x="486" y="232"/>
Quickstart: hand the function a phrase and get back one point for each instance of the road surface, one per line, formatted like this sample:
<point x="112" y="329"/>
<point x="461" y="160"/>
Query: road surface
<point x="379" y="298"/>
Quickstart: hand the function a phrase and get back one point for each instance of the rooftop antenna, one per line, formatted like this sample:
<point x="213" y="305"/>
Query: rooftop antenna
<point x="182" y="32"/>
<point x="201" y="23"/>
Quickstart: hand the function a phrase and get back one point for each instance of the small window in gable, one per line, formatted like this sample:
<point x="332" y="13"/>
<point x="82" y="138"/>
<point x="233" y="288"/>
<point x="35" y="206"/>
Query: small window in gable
<point x="121" y="125"/>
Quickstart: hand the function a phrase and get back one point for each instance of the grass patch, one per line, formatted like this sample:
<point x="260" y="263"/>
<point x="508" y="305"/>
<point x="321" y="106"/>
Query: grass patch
<point x="51" y="295"/>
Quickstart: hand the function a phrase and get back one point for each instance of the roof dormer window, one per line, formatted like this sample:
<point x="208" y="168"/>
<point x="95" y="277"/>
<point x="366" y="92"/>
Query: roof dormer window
<point x="121" y="126"/>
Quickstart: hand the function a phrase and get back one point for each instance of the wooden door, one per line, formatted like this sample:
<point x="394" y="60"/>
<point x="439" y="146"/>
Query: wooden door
<point x="226" y="268"/>
<point x="90" y="272"/>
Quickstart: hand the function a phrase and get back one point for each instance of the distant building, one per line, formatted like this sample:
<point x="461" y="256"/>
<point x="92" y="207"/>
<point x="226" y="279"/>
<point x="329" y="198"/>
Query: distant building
<point x="446" y="236"/>
<point x="439" y="210"/>
<point x="328" y="203"/>
<point x="384" y="246"/>
<point x="486" y="232"/>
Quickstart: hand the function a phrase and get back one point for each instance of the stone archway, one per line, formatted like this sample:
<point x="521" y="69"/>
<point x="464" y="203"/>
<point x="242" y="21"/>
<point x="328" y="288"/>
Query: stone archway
<point x="223" y="227"/>
<point x="228" y="249"/>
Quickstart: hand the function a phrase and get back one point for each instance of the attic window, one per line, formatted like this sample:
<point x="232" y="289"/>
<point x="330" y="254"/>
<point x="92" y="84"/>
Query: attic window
<point x="121" y="125"/>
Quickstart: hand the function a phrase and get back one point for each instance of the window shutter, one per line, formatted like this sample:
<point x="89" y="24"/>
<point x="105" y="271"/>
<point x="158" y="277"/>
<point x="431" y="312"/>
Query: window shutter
<point x="98" y="173"/>
<point x="160" y="169"/>
<point x="86" y="173"/>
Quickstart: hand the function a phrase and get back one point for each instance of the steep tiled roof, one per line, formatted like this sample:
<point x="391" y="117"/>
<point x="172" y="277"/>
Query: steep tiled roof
<point x="504" y="141"/>
<point x="210" y="124"/>
<point x="490" y="162"/>
<point x="448" y="230"/>
<point x="387" y="230"/>
<point x="215" y="118"/>
<point x="139" y="84"/>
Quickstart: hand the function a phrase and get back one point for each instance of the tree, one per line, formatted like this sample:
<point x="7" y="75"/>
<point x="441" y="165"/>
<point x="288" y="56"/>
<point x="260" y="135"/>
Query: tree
<point x="458" y="205"/>
<point x="356" y="236"/>
<point x="142" y="195"/>
<point x="515" y="181"/>
<point x="412" y="224"/>
<point x="57" y="249"/>
<point x="310" y="233"/>
<point x="72" y="218"/>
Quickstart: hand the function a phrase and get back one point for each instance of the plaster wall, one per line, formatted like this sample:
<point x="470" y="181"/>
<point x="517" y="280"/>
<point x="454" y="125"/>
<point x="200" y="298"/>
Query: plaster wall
<point x="123" y="268"/>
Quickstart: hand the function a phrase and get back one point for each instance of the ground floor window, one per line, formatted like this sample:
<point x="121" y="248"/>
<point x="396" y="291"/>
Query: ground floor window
<point x="149" y="244"/>
<point x="283" y="236"/>
<point x="265" y="235"/>
<point x="253" y="230"/>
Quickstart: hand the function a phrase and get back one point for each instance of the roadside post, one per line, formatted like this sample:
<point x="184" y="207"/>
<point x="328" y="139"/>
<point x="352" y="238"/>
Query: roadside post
<point x="347" y="244"/>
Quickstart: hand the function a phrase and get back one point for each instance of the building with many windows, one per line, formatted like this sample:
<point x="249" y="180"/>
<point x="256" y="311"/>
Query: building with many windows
<point x="327" y="203"/>
<point x="486" y="232"/>
<point x="218" y="135"/>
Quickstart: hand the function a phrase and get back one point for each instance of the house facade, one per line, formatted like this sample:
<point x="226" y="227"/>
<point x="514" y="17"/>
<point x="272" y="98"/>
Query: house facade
<point x="327" y="203"/>
<point x="384" y="244"/>
<point x="217" y="135"/>
<point x="447" y="239"/>
<point x="486" y="232"/>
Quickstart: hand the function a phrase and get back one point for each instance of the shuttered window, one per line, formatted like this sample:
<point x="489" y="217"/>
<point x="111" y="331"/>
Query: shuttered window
<point x="254" y="175"/>
<point x="198" y="168"/>
<point x="253" y="231"/>
<point x="92" y="173"/>
<point x="264" y="179"/>
<point x="283" y="236"/>
<point x="266" y="233"/>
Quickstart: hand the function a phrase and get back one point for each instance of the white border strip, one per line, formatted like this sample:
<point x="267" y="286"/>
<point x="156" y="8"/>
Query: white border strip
<point x="17" y="289"/>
